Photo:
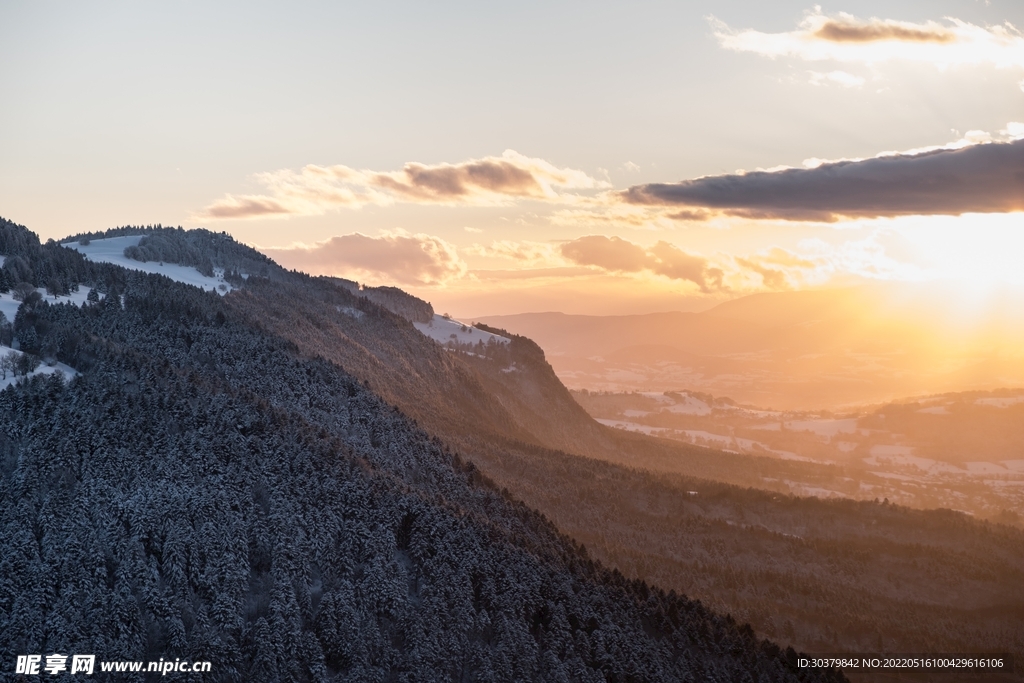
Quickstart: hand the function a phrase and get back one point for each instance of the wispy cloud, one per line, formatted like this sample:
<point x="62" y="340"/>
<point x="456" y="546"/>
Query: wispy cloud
<point x="846" y="38"/>
<point x="607" y="210"/>
<point x="968" y="178"/>
<point x="490" y="181"/>
<point x="618" y="255"/>
<point x="414" y="259"/>
<point x="779" y="268"/>
<point x="773" y="278"/>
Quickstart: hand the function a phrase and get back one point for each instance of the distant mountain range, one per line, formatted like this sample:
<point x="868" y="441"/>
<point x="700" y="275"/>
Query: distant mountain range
<point x="300" y="478"/>
<point x="808" y="350"/>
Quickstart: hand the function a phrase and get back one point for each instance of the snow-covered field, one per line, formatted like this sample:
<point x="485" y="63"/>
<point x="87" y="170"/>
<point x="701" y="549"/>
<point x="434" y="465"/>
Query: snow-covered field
<point x="111" y="250"/>
<point x="883" y="461"/>
<point x="729" y="444"/>
<point x="690" y="406"/>
<point x="9" y="306"/>
<point x="632" y="426"/>
<point x="43" y="369"/>
<point x="444" y="330"/>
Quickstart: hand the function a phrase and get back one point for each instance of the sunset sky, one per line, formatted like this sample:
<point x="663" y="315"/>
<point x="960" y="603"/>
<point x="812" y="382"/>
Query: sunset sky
<point x="579" y="157"/>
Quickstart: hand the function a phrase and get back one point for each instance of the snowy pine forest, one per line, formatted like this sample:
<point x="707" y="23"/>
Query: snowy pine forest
<point x="204" y="489"/>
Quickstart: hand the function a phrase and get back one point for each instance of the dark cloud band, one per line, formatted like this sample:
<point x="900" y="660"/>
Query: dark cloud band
<point x="986" y="178"/>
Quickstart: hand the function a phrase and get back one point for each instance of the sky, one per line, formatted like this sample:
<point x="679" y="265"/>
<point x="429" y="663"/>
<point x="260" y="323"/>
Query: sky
<point x="599" y="158"/>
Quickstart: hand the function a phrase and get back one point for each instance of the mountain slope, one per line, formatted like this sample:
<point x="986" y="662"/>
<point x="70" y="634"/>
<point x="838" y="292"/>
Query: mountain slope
<point x="203" y="490"/>
<point x="523" y="430"/>
<point x="765" y="558"/>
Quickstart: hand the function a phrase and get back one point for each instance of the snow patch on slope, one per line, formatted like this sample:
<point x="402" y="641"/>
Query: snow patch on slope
<point x="9" y="305"/>
<point x="43" y="369"/>
<point x="729" y="444"/>
<point x="444" y="330"/>
<point x="349" y="311"/>
<point x="111" y="250"/>
<point x="690" y="406"/>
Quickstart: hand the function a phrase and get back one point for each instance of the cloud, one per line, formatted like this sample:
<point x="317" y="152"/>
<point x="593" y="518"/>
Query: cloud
<point x="853" y="260"/>
<point x="608" y="209"/>
<point x="846" y="38"/>
<point x="974" y="178"/>
<point x="674" y="263"/>
<point x="246" y="207"/>
<point x="771" y="277"/>
<point x="846" y="29"/>
<point x="780" y="268"/>
<point x="393" y="257"/>
<point x="491" y="181"/>
<point x="782" y="257"/>
<point x="609" y="253"/>
<point x="619" y="255"/>
<point x="689" y="215"/>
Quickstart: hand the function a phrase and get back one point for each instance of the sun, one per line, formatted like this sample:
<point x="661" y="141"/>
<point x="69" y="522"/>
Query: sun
<point x="982" y="252"/>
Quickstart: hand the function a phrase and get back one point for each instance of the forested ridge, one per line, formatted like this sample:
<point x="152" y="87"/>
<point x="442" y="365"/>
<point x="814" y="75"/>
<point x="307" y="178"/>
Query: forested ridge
<point x="820" y="575"/>
<point x="204" y="489"/>
<point x="823" y="575"/>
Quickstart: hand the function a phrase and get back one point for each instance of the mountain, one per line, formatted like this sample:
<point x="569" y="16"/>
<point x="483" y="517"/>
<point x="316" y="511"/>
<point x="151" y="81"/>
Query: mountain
<point x="486" y="433"/>
<point x="205" y="489"/>
<point x="805" y="350"/>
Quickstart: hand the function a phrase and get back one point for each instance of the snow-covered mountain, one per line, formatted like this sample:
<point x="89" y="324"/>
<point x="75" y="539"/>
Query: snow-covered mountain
<point x="293" y="476"/>
<point x="112" y="250"/>
<point x="204" y="489"/>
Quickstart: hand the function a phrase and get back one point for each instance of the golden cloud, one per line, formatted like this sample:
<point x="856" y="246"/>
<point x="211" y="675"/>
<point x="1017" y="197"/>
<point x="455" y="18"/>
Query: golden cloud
<point x="491" y="181"/>
<point x="618" y="255"/>
<point x="846" y="38"/>
<point x="393" y="257"/>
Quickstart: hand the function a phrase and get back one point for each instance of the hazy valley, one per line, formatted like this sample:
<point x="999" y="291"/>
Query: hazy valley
<point x="956" y="451"/>
<point x="801" y="350"/>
